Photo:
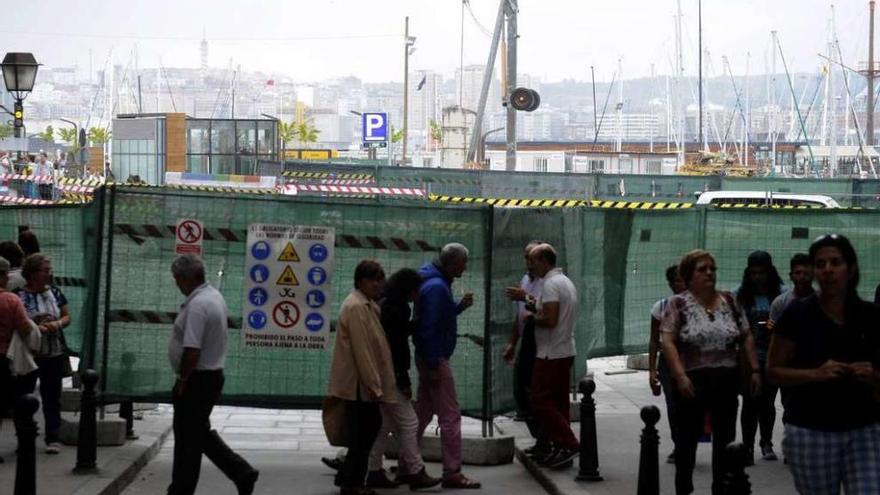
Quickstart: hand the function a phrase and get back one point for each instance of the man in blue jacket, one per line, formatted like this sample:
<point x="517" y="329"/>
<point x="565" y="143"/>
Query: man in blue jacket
<point x="437" y="312"/>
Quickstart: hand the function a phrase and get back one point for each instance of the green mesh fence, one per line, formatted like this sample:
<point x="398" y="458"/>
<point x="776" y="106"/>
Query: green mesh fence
<point x="66" y="234"/>
<point x="123" y="305"/>
<point x="133" y="354"/>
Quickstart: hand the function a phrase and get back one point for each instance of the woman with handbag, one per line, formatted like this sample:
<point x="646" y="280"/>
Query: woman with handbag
<point x="361" y="375"/>
<point x="47" y="307"/>
<point x="13" y="319"/>
<point x="704" y="333"/>
<point x="825" y="352"/>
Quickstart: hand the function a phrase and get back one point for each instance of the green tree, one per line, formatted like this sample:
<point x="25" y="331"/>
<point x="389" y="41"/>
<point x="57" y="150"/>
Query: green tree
<point x="6" y="131"/>
<point x="436" y="131"/>
<point x="69" y="136"/>
<point x="396" y="136"/>
<point x="48" y="134"/>
<point x="307" y="134"/>
<point x="98" y="135"/>
<point x="287" y="132"/>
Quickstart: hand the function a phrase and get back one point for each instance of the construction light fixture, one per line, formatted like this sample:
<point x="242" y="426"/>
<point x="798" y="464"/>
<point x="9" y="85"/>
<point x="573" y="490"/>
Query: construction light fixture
<point x="525" y="99"/>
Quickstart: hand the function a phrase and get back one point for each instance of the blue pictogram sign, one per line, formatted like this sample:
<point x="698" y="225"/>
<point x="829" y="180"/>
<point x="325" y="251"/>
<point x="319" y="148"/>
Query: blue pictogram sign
<point x="315" y="298"/>
<point x="314" y="322"/>
<point x="318" y="253"/>
<point x="374" y="127"/>
<point x="259" y="273"/>
<point x="258" y="296"/>
<point x="261" y="250"/>
<point x="317" y="276"/>
<point x="257" y="320"/>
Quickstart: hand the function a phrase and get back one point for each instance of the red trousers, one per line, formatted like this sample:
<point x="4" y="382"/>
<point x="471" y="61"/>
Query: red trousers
<point x="550" y="404"/>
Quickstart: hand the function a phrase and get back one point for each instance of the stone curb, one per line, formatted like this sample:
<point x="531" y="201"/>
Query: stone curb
<point x="540" y="476"/>
<point x="115" y="486"/>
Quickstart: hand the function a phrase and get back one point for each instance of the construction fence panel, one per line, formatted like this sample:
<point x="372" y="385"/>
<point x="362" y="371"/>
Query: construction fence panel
<point x="143" y="299"/>
<point x="67" y="236"/>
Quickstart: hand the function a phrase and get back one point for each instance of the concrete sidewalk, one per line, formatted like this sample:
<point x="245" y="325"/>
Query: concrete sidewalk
<point x="287" y="446"/>
<point x="619" y="399"/>
<point x="117" y="466"/>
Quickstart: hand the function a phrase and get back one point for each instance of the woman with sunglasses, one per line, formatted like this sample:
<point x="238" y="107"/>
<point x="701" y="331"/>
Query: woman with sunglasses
<point x="704" y="331"/>
<point x="825" y="351"/>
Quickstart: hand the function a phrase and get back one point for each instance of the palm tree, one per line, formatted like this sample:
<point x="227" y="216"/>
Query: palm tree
<point x="47" y="135"/>
<point x="436" y="131"/>
<point x="287" y="132"/>
<point x="70" y="137"/>
<point x="98" y="135"/>
<point x="307" y="134"/>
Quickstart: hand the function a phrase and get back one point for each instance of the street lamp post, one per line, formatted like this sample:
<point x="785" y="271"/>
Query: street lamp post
<point x="481" y="151"/>
<point x="408" y="49"/>
<point x="19" y="74"/>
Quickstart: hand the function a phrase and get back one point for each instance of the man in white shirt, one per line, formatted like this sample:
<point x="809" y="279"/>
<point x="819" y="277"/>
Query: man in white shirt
<point x="197" y="351"/>
<point x="554" y="338"/>
<point x="523" y="333"/>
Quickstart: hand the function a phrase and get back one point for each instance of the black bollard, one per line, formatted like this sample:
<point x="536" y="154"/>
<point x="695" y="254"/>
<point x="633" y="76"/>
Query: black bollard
<point x="589" y="456"/>
<point x="87" y="439"/>
<point x="26" y="431"/>
<point x="736" y="481"/>
<point x="649" y="469"/>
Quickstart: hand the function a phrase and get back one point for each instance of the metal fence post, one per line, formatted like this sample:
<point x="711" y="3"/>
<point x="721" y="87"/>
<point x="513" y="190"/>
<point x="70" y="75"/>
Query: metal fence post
<point x="26" y="430"/>
<point x="589" y="456"/>
<point x="649" y="469"/>
<point x="87" y="439"/>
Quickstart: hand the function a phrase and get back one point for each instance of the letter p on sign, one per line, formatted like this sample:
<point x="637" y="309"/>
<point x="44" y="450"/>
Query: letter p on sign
<point x="375" y="127"/>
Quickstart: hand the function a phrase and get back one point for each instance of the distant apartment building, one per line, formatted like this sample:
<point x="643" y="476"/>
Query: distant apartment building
<point x="469" y="84"/>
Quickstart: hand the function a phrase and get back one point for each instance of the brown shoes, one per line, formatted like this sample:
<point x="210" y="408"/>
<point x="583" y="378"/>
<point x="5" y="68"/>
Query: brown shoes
<point x="419" y="480"/>
<point x="459" y="481"/>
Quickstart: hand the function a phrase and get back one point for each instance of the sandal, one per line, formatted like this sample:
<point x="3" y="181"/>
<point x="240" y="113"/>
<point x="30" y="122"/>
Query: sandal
<point x="459" y="481"/>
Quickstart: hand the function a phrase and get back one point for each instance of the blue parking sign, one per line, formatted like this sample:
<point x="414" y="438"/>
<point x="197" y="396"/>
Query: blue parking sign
<point x="374" y="127"/>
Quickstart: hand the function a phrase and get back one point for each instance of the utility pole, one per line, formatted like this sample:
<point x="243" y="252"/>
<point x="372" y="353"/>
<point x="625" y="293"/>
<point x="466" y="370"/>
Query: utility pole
<point x="870" y="73"/>
<point x="510" y="156"/>
<point x="408" y="49"/>
<point x="700" y="42"/>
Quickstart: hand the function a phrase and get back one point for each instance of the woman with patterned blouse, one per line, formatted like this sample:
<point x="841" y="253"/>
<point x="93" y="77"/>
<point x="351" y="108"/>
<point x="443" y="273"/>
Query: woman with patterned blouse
<point x="47" y="307"/>
<point x="704" y="331"/>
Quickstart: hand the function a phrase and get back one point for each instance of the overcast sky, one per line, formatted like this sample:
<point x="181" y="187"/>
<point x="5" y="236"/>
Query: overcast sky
<point x="319" y="39"/>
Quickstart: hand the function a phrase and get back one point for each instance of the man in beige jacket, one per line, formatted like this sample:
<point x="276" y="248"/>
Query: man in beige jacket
<point x="361" y="373"/>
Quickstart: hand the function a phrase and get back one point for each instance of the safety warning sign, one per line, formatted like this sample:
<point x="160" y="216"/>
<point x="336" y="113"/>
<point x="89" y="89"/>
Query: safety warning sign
<point x="278" y="310"/>
<point x="188" y="237"/>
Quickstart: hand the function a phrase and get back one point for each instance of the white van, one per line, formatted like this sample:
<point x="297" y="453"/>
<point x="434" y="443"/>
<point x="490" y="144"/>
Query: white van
<point x="765" y="198"/>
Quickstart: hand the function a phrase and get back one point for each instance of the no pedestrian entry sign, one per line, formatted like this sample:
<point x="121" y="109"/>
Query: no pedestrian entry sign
<point x="188" y="237"/>
<point x="287" y="289"/>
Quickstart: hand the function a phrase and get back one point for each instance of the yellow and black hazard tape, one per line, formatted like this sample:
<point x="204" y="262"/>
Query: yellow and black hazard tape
<point x="220" y="189"/>
<point x="639" y="205"/>
<point x="69" y="181"/>
<point x="522" y="203"/>
<point x="326" y="175"/>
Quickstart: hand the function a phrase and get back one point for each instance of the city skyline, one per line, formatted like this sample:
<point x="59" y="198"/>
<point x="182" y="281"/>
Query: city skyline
<point x="342" y="38"/>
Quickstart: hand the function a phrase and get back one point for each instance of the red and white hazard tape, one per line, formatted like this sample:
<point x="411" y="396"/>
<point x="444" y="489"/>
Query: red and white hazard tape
<point x="25" y="201"/>
<point x="42" y="179"/>
<point x="348" y="182"/>
<point x="331" y="189"/>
